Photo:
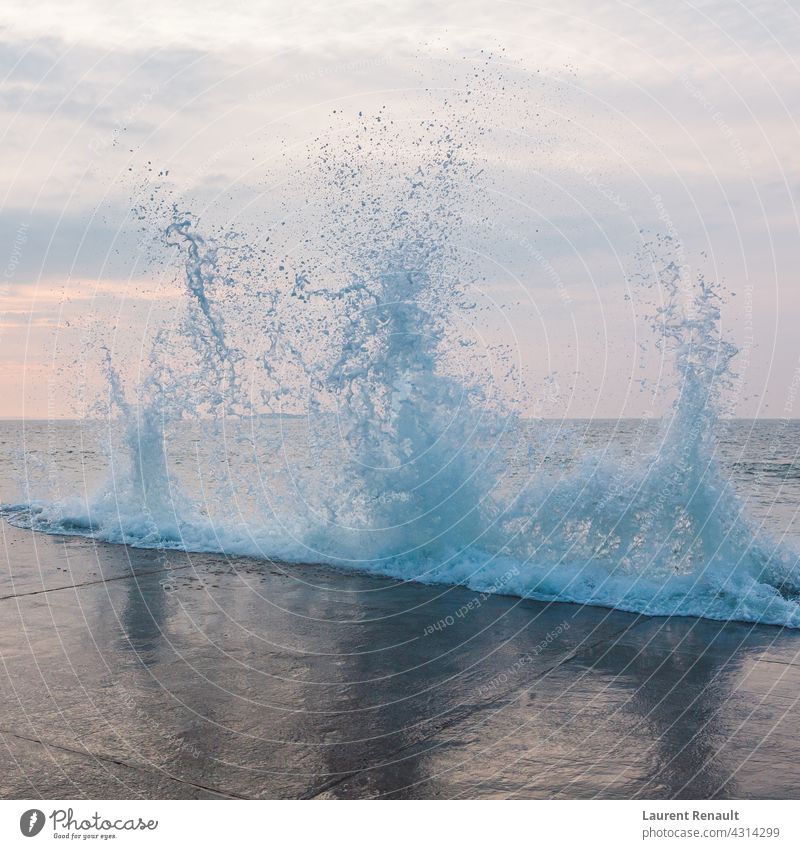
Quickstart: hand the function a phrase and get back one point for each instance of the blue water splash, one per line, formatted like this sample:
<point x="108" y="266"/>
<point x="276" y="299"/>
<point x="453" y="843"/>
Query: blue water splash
<point x="414" y="486"/>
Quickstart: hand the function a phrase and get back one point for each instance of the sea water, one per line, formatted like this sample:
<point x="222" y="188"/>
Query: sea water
<point x="68" y="462"/>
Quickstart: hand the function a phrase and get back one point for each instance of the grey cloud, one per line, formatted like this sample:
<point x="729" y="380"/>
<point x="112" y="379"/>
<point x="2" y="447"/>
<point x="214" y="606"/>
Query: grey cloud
<point x="46" y="245"/>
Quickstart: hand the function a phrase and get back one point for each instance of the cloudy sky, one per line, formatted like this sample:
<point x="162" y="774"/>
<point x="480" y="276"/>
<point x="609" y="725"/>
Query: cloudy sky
<point x="676" y="118"/>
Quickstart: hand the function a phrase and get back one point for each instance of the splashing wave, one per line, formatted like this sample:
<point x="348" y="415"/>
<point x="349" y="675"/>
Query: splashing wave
<point x="408" y="466"/>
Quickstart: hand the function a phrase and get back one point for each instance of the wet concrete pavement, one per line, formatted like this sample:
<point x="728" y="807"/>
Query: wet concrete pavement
<point x="130" y="673"/>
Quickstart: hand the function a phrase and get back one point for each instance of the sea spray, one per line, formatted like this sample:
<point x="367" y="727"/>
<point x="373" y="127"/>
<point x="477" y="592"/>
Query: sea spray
<point x="404" y="470"/>
<point x="142" y="502"/>
<point x="665" y="535"/>
<point x="661" y="533"/>
<point x="416" y="483"/>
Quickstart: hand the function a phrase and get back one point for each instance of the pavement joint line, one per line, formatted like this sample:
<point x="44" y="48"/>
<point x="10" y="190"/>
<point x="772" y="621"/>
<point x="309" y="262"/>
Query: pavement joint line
<point x="779" y="662"/>
<point x="85" y="753"/>
<point x="94" y="583"/>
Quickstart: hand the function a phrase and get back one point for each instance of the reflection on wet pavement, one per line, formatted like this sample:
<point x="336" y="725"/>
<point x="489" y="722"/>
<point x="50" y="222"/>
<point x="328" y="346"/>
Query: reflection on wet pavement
<point x="134" y="673"/>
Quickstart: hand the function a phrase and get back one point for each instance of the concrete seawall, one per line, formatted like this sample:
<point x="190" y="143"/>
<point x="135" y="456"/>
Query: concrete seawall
<point x="130" y="673"/>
